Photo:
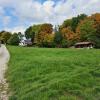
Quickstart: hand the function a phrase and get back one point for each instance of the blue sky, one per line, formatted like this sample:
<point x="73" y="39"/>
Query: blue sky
<point x="17" y="15"/>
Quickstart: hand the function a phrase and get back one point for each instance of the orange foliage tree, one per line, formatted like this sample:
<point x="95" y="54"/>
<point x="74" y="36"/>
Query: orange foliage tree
<point x="69" y="35"/>
<point x="44" y="35"/>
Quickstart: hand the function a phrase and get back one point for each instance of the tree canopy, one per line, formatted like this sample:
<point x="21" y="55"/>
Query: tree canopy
<point x="4" y="36"/>
<point x="76" y="29"/>
<point x="14" y="39"/>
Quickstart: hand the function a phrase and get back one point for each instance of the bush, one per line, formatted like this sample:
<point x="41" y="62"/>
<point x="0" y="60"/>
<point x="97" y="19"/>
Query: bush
<point x="64" y="43"/>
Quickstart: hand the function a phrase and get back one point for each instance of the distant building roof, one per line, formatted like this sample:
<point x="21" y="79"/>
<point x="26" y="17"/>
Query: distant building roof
<point x="28" y="41"/>
<point x="83" y="43"/>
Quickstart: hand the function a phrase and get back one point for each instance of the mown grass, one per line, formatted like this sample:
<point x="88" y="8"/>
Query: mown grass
<point x="54" y="74"/>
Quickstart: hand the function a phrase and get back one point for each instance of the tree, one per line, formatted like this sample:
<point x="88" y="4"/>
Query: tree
<point x="68" y="30"/>
<point x="66" y="23"/>
<point x="40" y="38"/>
<point x="96" y="37"/>
<point x="44" y="31"/>
<point x="89" y="29"/>
<point x="32" y="31"/>
<point x="1" y="33"/>
<point x="20" y="35"/>
<point x="64" y="43"/>
<point x="5" y="36"/>
<point x="96" y="19"/>
<point x="58" y="39"/>
<point x="47" y="28"/>
<point x="73" y="23"/>
<point x="87" y="32"/>
<point x="48" y="40"/>
<point x="29" y="33"/>
<point x="69" y="36"/>
<point x="76" y="21"/>
<point x="14" y="39"/>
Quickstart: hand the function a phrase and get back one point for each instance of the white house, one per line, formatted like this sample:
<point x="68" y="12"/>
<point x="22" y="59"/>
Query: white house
<point x="25" y="42"/>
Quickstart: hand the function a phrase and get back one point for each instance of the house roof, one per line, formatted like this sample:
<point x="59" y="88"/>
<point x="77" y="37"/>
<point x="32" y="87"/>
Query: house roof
<point x="28" y="41"/>
<point x="83" y="43"/>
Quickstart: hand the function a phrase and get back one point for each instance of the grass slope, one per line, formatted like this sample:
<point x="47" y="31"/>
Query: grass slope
<point x="54" y="74"/>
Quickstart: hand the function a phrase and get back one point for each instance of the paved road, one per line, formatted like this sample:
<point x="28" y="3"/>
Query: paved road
<point x="4" y="58"/>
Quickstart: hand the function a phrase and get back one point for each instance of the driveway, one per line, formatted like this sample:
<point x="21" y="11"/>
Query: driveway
<point x="4" y="58"/>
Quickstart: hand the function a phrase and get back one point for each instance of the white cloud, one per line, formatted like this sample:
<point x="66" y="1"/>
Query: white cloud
<point x="16" y="29"/>
<point x="1" y="11"/>
<point x="48" y="7"/>
<point x="50" y="11"/>
<point x="6" y="20"/>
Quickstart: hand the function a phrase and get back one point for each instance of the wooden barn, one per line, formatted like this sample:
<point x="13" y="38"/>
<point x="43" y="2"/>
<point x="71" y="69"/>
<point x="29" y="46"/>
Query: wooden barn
<point x="84" y="45"/>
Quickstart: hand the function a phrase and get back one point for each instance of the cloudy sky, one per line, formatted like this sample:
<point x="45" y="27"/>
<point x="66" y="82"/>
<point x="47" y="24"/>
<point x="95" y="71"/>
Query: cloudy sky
<point x="16" y="15"/>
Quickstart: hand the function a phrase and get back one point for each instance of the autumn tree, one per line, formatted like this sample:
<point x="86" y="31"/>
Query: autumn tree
<point x="96" y="19"/>
<point x="40" y="38"/>
<point x="96" y="37"/>
<point x="45" y="30"/>
<point x="5" y="36"/>
<point x="73" y="23"/>
<point x="48" y="40"/>
<point x="69" y="36"/>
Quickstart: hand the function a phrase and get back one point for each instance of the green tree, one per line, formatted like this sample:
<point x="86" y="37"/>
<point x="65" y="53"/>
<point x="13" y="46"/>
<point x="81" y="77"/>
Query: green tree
<point x="86" y="30"/>
<point x="20" y="35"/>
<point x="14" y="39"/>
<point x="1" y="33"/>
<point x="32" y="32"/>
<point x="58" y="39"/>
<point x="73" y="23"/>
<point x="76" y="21"/>
<point x="29" y="33"/>
<point x="67" y="23"/>
<point x="64" y="43"/>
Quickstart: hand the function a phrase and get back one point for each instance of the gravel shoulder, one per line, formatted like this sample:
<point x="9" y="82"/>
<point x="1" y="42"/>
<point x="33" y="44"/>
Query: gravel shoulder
<point x="4" y="58"/>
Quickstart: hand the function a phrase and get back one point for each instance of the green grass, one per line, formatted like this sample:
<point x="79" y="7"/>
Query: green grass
<point x="54" y="74"/>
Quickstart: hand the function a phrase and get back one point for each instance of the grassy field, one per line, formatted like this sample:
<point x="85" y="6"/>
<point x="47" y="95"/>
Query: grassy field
<point x="54" y="74"/>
